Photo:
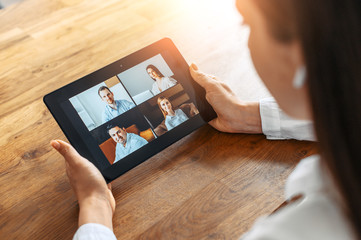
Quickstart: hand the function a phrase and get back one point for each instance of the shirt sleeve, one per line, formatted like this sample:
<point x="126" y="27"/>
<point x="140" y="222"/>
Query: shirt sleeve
<point x="94" y="231"/>
<point x="172" y="82"/>
<point x="277" y="125"/>
<point x="140" y="141"/>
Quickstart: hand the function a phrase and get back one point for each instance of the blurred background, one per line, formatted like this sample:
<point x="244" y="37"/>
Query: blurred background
<point x="6" y="3"/>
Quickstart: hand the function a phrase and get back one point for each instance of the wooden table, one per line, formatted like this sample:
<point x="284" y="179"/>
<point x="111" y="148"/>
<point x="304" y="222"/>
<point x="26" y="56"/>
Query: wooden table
<point x="209" y="185"/>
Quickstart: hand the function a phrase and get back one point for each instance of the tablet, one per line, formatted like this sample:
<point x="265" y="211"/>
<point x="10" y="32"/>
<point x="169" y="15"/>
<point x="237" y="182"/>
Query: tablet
<point x="122" y="114"/>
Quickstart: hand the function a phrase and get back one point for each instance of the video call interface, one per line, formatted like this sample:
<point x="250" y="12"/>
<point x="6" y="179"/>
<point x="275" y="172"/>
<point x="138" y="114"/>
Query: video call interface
<point x="129" y="110"/>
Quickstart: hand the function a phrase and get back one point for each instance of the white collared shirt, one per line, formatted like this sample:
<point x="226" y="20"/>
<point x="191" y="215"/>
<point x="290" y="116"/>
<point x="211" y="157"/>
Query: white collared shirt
<point x="166" y="83"/>
<point x="173" y="121"/>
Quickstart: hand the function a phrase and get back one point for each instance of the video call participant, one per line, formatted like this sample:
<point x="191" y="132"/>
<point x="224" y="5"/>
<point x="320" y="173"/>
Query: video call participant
<point x="161" y="83"/>
<point x="172" y="117"/>
<point x="126" y="142"/>
<point x="114" y="107"/>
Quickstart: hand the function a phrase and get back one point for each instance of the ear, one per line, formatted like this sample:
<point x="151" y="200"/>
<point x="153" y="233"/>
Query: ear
<point x="296" y="54"/>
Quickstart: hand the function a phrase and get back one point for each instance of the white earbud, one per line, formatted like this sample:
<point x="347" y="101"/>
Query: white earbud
<point x="300" y="77"/>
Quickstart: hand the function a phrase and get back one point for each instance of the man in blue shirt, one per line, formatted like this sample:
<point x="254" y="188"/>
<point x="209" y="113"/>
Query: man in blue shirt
<point x="114" y="107"/>
<point x="126" y="142"/>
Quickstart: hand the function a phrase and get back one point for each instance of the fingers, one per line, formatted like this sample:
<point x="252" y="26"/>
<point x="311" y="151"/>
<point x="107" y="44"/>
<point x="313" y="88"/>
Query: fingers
<point x="69" y="153"/>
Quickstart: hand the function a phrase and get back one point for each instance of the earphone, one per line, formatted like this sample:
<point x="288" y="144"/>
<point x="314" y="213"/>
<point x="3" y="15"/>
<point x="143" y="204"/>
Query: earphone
<point x="300" y="77"/>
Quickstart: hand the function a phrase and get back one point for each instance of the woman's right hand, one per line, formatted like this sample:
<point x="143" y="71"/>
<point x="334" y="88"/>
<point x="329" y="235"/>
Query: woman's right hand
<point x="233" y="115"/>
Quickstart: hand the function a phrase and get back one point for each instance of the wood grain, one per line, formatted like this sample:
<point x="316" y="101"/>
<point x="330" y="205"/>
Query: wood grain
<point x="209" y="185"/>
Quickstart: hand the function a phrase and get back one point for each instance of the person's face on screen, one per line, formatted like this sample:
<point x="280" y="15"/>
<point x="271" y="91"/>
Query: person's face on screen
<point x="119" y="135"/>
<point x="152" y="73"/>
<point x="166" y="106"/>
<point x="107" y="96"/>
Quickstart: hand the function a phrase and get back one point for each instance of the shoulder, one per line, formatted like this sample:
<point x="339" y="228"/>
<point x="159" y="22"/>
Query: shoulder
<point x="133" y="136"/>
<point x="123" y="102"/>
<point x="167" y="121"/>
<point x="318" y="215"/>
<point x="313" y="217"/>
<point x="120" y="101"/>
<point x="308" y="177"/>
<point x="118" y="147"/>
<point x="179" y="111"/>
<point x="170" y="79"/>
<point x="137" y="138"/>
<point x="106" y="108"/>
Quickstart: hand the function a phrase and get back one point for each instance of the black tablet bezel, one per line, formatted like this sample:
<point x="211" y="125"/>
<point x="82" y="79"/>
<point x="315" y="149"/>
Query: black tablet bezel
<point x="58" y="100"/>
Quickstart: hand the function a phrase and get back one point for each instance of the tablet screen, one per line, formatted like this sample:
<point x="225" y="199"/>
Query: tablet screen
<point x="125" y="114"/>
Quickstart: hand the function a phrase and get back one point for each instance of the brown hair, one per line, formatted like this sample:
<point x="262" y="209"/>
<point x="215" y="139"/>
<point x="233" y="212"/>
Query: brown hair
<point x="330" y="35"/>
<point x="103" y="88"/>
<point x="160" y="99"/>
<point x="155" y="69"/>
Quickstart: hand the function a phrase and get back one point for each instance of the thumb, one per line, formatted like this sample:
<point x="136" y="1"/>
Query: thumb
<point x="215" y="123"/>
<point x="198" y="76"/>
<point x="68" y="152"/>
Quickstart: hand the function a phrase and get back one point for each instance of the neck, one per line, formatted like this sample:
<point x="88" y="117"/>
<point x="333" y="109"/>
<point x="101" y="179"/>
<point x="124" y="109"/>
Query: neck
<point x="113" y="105"/>
<point x="171" y="113"/>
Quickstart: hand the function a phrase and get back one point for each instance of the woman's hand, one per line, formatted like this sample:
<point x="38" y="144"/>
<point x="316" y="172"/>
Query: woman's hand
<point x="95" y="198"/>
<point x="233" y="115"/>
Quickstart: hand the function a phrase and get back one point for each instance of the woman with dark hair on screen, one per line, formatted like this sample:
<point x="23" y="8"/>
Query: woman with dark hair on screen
<point x="172" y="117"/>
<point x="161" y="82"/>
<point x="308" y="53"/>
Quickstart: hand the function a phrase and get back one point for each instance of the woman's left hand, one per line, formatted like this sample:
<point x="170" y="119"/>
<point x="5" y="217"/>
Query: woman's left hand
<point x="95" y="198"/>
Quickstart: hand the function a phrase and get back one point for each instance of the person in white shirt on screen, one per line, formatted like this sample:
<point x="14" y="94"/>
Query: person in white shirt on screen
<point x="161" y="82"/>
<point x="314" y="75"/>
<point x="114" y="107"/>
<point x="126" y="142"/>
<point x="172" y="117"/>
